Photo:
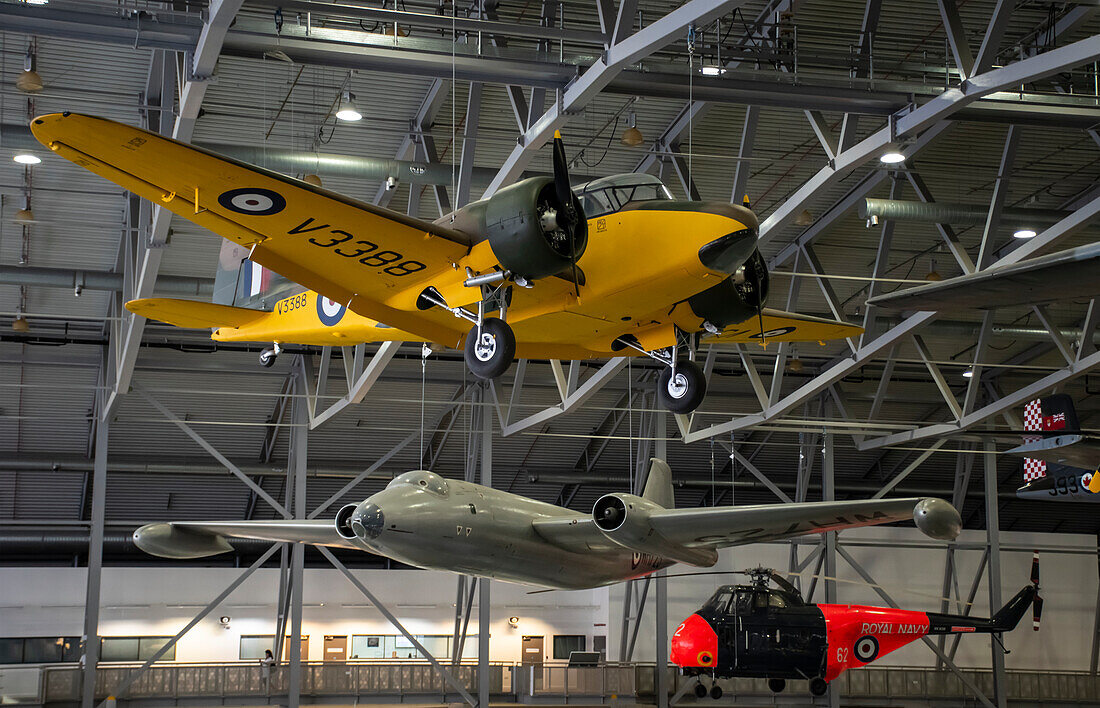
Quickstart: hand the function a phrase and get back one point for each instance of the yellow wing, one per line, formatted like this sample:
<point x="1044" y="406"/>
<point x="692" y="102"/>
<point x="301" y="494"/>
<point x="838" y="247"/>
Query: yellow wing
<point x="192" y="313"/>
<point x="781" y="326"/>
<point x="375" y="260"/>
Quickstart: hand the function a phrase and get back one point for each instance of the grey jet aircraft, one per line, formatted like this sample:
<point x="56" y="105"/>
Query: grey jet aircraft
<point x="426" y="521"/>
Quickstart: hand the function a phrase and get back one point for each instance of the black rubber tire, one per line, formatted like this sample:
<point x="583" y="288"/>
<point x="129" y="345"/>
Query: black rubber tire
<point x="700" y="690"/>
<point x="495" y="355"/>
<point x="776" y="685"/>
<point x="715" y="691"/>
<point x="267" y="358"/>
<point x="692" y="387"/>
<point x="818" y="687"/>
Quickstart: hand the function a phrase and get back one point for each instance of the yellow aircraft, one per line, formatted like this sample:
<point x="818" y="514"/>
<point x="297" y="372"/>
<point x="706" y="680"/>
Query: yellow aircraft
<point x="615" y="267"/>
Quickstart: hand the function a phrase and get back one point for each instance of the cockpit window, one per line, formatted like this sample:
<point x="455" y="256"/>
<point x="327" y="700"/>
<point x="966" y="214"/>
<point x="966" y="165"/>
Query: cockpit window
<point x="610" y="194"/>
<point x="422" y="479"/>
<point x="719" y="601"/>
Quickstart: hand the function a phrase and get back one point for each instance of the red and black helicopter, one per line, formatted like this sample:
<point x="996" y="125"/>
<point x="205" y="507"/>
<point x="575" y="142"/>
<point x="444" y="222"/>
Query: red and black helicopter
<point x="756" y="631"/>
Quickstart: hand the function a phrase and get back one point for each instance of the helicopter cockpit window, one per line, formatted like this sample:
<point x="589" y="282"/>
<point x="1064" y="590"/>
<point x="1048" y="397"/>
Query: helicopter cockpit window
<point x="422" y="479"/>
<point x="745" y="601"/>
<point x="776" y="600"/>
<point x="610" y="194"/>
<point x="719" y="601"/>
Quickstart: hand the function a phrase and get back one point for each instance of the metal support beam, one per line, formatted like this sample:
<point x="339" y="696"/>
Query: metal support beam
<point x="569" y="402"/>
<point x="744" y="155"/>
<point x="956" y="37"/>
<point x="198" y="77"/>
<point x="926" y="116"/>
<point x="993" y="538"/>
<point x="484" y="606"/>
<point x="996" y="203"/>
<point x="364" y="379"/>
<point x="589" y="84"/>
<point x="95" y="567"/>
<point x="828" y="493"/>
<point x="469" y="144"/>
<point x="297" y="465"/>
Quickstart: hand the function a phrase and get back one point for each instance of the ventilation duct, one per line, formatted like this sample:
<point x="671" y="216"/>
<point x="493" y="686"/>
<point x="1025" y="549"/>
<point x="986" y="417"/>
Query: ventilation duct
<point x="958" y="214"/>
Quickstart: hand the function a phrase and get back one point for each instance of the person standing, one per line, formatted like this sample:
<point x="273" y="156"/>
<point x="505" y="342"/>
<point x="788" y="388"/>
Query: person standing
<point x="265" y="670"/>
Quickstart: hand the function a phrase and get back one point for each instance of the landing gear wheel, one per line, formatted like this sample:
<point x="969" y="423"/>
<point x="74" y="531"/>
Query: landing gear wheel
<point x="700" y="690"/>
<point x="776" y="685"/>
<point x="715" y="691"/>
<point x="267" y="357"/>
<point x="684" y="391"/>
<point x="489" y="354"/>
<point x="818" y="687"/>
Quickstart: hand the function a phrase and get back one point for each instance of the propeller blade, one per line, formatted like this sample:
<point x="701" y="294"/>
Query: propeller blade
<point x="1035" y="568"/>
<point x="561" y="173"/>
<point x="567" y="215"/>
<point x="1036" y="612"/>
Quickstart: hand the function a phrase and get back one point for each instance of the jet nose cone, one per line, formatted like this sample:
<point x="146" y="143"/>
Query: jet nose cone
<point x="367" y="521"/>
<point x="695" y="644"/>
<point x="937" y="519"/>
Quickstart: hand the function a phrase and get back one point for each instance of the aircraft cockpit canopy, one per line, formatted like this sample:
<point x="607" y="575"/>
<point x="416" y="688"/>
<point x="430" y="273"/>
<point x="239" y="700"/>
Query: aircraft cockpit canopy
<point x="610" y="194"/>
<point x="422" y="479"/>
<point x="747" y="599"/>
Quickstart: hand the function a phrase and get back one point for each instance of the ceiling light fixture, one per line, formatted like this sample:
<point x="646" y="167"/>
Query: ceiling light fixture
<point x="25" y="158"/>
<point x="712" y="70"/>
<point x="891" y="158"/>
<point x="346" y="109"/>
<point x="20" y="324"/>
<point x="632" y="137"/>
<point x="968" y="374"/>
<point x="1024" y="232"/>
<point x="29" y="81"/>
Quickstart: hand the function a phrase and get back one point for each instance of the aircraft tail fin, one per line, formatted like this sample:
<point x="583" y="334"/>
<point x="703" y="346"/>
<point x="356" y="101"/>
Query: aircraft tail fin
<point x="1010" y="615"/>
<point x="240" y="282"/>
<point x="192" y="313"/>
<point x="658" y="485"/>
<point x="1047" y="414"/>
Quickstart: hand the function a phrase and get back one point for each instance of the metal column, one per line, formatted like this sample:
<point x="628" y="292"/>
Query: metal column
<point x="993" y="537"/>
<point x="95" y="565"/>
<point x="483" y="615"/>
<point x="828" y="493"/>
<point x="660" y="450"/>
<point x="296" y="467"/>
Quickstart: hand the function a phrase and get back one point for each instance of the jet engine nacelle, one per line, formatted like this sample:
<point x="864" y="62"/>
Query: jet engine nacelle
<point x="522" y="225"/>
<point x="625" y="520"/>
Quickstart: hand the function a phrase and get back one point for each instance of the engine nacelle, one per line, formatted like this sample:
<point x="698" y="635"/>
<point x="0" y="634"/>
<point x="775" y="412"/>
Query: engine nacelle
<point x="736" y="298"/>
<point x="343" y="522"/>
<point x="522" y="226"/>
<point x="625" y="520"/>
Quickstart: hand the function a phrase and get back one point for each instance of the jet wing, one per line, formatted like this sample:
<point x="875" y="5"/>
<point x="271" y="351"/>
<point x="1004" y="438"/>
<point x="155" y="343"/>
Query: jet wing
<point x="375" y="260"/>
<point x="1070" y="450"/>
<point x="780" y="326"/>
<point x="719" y="527"/>
<point x="1065" y="275"/>
<point x="197" y="539"/>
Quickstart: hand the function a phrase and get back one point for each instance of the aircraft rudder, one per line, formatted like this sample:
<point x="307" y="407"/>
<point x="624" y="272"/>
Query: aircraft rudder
<point x="658" y="485"/>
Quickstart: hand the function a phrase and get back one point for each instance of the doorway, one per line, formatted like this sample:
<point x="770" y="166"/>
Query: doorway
<point x="532" y="650"/>
<point x="336" y="648"/>
<point x="305" y="648"/>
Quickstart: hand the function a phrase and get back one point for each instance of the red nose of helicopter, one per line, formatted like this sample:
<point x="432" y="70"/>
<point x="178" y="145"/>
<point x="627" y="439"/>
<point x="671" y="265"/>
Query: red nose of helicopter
<point x="695" y="644"/>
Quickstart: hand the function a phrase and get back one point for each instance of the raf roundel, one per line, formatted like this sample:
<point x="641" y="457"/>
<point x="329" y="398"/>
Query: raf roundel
<point x="329" y="311"/>
<point x="779" y="331"/>
<point x="254" y="201"/>
<point x="866" y="649"/>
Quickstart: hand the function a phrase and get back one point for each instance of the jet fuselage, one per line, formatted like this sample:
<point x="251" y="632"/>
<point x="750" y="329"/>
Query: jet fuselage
<point x="441" y="524"/>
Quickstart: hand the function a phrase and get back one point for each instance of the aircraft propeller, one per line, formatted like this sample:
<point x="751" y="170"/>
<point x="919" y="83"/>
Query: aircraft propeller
<point x="568" y="218"/>
<point x="1037" y="603"/>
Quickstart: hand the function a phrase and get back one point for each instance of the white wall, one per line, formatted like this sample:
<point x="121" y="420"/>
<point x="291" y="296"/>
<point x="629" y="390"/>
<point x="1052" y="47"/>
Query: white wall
<point x="913" y="577"/>
<point x="154" y="601"/>
<point x="146" y="601"/>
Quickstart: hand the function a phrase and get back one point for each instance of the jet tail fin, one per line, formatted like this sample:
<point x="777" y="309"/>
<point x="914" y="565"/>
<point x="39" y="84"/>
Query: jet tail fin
<point x="658" y="486"/>
<point x="1043" y="415"/>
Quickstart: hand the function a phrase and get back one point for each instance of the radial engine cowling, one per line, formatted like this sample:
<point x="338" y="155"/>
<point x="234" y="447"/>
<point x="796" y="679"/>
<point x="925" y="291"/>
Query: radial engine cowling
<point x="528" y="231"/>
<point x="625" y="520"/>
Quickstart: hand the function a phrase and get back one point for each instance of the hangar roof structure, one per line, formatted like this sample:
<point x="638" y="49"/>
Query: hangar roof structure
<point x="994" y="104"/>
